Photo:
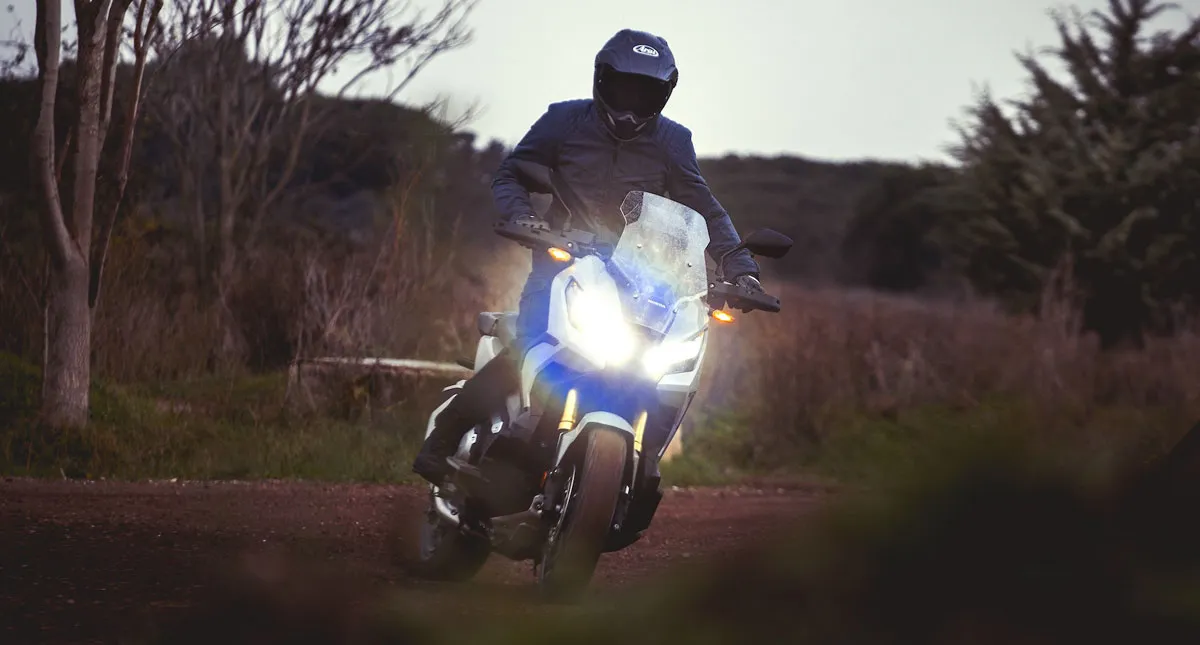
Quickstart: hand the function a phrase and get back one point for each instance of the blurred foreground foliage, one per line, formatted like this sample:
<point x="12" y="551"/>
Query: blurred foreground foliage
<point x="994" y="541"/>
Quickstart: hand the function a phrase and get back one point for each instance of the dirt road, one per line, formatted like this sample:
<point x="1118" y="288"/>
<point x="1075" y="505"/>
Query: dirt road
<point x="91" y="561"/>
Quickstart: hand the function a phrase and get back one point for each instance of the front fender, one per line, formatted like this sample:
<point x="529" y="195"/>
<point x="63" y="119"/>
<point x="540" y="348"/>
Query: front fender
<point x="593" y="420"/>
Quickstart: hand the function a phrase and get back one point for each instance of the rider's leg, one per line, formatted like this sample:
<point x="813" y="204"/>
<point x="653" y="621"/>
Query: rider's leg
<point x="534" y="311"/>
<point x="474" y="402"/>
<point x="486" y="390"/>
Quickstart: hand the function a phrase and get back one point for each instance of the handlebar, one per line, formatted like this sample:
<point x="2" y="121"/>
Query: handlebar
<point x="539" y="236"/>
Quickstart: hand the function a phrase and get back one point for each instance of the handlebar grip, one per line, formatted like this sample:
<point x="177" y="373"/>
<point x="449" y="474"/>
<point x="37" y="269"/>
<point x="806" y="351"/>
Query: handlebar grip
<point x="724" y="293"/>
<point x="527" y="233"/>
<point x="536" y="234"/>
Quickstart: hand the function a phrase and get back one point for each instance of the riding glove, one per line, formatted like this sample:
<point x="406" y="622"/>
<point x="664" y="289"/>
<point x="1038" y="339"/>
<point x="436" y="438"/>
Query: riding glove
<point x="749" y="283"/>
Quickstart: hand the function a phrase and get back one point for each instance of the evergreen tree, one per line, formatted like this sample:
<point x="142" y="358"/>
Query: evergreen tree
<point x="1099" y="169"/>
<point x="889" y="241"/>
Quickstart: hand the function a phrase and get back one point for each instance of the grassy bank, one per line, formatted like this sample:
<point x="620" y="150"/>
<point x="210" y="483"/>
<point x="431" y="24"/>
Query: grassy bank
<point x="849" y="385"/>
<point x="226" y="427"/>
<point x="212" y="428"/>
<point x="842" y="385"/>
<point x="865" y="447"/>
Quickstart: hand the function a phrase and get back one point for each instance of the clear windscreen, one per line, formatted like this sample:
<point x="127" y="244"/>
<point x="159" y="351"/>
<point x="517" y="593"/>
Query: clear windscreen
<point x="661" y="252"/>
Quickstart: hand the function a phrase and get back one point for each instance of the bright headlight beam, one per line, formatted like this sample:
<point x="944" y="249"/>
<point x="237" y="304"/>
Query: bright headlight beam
<point x="662" y="358"/>
<point x="604" y="333"/>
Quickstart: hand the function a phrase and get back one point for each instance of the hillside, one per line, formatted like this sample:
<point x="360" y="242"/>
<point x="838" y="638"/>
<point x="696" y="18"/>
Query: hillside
<point x="342" y="186"/>
<point x="811" y="201"/>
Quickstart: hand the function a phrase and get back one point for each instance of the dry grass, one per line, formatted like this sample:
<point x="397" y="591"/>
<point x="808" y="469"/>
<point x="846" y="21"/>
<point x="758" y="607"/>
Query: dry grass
<point x="407" y="294"/>
<point x="143" y="334"/>
<point x="778" y="389"/>
<point x="796" y="377"/>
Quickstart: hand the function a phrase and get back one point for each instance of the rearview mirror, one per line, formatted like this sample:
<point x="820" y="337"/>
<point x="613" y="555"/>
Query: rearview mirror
<point x="767" y="243"/>
<point x="764" y="242"/>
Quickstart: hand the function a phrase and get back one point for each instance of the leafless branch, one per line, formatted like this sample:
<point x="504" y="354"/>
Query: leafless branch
<point x="145" y="21"/>
<point x="254" y="70"/>
<point x="112" y="53"/>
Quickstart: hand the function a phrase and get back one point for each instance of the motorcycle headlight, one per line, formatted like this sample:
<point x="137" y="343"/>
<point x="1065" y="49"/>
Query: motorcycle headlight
<point x="603" y="332"/>
<point x="672" y="357"/>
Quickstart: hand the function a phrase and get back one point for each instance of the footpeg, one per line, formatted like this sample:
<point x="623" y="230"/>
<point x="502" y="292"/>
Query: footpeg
<point x="465" y="469"/>
<point x="468" y="477"/>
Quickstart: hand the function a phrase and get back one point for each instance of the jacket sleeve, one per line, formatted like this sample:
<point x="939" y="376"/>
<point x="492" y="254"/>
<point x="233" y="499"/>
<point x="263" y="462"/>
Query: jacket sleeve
<point x="687" y="186"/>
<point x="539" y="145"/>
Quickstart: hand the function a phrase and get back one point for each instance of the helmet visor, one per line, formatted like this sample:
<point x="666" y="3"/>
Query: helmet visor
<point x="642" y="95"/>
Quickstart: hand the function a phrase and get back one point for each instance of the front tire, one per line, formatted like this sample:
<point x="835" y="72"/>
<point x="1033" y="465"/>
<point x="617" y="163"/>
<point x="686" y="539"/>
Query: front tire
<point x="593" y="488"/>
<point x="446" y="553"/>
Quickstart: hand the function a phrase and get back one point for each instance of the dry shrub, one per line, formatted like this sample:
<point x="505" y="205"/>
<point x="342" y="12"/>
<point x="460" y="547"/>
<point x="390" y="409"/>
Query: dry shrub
<point x="22" y="280"/>
<point x="282" y="304"/>
<point x="831" y="351"/>
<point x="404" y="304"/>
<point x="356" y="310"/>
<point x="414" y="293"/>
<point x="20" y="312"/>
<point x="411" y="291"/>
<point x="146" y="330"/>
<point x="406" y="296"/>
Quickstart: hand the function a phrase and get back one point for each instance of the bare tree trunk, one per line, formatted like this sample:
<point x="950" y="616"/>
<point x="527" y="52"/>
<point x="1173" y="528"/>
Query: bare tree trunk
<point x="87" y="127"/>
<point x="68" y="336"/>
<point x="66" y="371"/>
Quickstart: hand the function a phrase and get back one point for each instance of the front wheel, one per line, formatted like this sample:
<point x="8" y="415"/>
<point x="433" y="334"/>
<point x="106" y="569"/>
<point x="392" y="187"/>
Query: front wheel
<point x="590" y="497"/>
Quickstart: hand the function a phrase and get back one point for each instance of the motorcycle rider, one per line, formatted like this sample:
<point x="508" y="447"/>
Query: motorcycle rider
<point x="604" y="147"/>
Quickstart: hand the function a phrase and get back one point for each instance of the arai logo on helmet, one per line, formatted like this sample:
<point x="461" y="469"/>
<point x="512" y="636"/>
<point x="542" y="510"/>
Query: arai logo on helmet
<point x="645" y="50"/>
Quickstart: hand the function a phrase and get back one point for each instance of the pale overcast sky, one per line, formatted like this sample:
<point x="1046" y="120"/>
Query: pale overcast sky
<point x="831" y="80"/>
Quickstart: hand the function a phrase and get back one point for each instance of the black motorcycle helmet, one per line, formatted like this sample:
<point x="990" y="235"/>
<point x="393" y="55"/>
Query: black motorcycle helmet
<point x="634" y="76"/>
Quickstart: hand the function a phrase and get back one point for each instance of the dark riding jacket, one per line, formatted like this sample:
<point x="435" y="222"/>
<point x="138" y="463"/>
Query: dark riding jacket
<point x="601" y="170"/>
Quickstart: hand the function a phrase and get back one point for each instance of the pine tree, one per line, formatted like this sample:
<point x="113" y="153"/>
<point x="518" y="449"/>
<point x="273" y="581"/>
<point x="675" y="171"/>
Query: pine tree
<point x="1100" y="169"/>
<point x="889" y="243"/>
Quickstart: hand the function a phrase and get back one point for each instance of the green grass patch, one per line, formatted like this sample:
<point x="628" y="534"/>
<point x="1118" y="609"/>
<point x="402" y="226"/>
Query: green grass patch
<point x="871" y="448"/>
<point x="236" y="426"/>
<point x="217" y="428"/>
<point x="20" y="387"/>
<point x="691" y="469"/>
<point x="863" y="448"/>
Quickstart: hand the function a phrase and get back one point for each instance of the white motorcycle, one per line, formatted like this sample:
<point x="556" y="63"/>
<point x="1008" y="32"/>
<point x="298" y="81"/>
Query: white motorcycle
<point x="568" y="470"/>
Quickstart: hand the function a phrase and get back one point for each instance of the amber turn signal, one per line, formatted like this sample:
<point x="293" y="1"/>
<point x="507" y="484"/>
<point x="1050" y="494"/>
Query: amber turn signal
<point x="558" y="254"/>
<point x="722" y="316"/>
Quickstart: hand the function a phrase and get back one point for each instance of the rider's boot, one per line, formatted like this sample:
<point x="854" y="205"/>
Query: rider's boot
<point x="441" y="443"/>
